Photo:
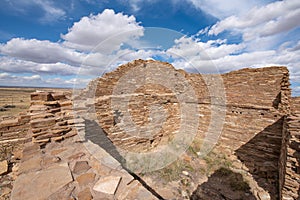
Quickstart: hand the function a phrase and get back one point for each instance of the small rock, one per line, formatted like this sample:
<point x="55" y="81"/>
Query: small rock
<point x="3" y="167"/>
<point x="263" y="196"/>
<point x="184" y="193"/>
<point x="108" y="184"/>
<point x="80" y="167"/>
<point x="185" y="173"/>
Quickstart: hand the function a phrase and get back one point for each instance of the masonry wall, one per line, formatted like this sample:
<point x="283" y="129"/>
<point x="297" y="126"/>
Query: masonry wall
<point x="290" y="154"/>
<point x="51" y="117"/>
<point x="138" y="104"/>
<point x="13" y="134"/>
<point x="256" y="102"/>
<point x="254" y="129"/>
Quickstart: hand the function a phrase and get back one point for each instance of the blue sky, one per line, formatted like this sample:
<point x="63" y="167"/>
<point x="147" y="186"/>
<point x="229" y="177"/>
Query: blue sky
<point x="59" y="43"/>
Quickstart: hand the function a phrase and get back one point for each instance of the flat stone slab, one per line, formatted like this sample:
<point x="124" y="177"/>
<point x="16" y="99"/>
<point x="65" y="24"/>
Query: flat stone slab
<point x="85" y="179"/>
<point x="32" y="164"/>
<point x="40" y="123"/>
<point x="41" y="184"/>
<point x="107" y="184"/>
<point x="9" y="122"/>
<point x="80" y="167"/>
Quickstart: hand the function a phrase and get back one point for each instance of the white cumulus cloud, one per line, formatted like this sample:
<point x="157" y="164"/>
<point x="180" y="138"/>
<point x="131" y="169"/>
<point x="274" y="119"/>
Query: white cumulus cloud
<point x="268" y="20"/>
<point x="13" y="65"/>
<point x="92" y="30"/>
<point x="40" y="51"/>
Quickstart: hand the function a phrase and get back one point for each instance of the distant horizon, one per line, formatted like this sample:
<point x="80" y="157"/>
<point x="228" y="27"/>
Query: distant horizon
<point x="41" y="87"/>
<point x="11" y="86"/>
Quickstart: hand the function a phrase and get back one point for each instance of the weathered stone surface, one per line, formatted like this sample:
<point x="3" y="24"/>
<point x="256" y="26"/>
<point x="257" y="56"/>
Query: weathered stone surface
<point x="289" y="164"/>
<point x="85" y="194"/>
<point x="80" y="167"/>
<point x="59" y="96"/>
<point x="3" y="167"/>
<point x="40" y="185"/>
<point x="41" y="116"/>
<point x="251" y="129"/>
<point x="76" y="156"/>
<point x="85" y="179"/>
<point x="49" y="122"/>
<point x="29" y="151"/>
<point x="9" y="122"/>
<point x="32" y="164"/>
<point x="107" y="184"/>
<point x="37" y="123"/>
<point x="41" y="96"/>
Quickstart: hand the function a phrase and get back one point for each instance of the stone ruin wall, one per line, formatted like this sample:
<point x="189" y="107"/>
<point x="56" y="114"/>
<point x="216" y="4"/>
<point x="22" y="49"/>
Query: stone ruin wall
<point x="138" y="104"/>
<point x="13" y="132"/>
<point x="259" y="136"/>
<point x="257" y="100"/>
<point x="290" y="154"/>
<point x="50" y="117"/>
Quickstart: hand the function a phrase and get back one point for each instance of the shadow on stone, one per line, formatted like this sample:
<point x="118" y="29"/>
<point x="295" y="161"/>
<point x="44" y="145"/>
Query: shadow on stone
<point x="96" y="135"/>
<point x="223" y="184"/>
<point x="277" y="101"/>
<point x="261" y="156"/>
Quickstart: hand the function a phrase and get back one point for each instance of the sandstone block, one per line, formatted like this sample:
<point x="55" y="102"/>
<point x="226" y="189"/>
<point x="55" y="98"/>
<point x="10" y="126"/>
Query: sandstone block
<point x="41" y="115"/>
<point x="9" y="122"/>
<point x="41" y="184"/>
<point x="107" y="184"/>
<point x="80" y="167"/>
<point x="39" y="123"/>
<point x="41" y="96"/>
<point x="66" y="103"/>
<point x="59" y="96"/>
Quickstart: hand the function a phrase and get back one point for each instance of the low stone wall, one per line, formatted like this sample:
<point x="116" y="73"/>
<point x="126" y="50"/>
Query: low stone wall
<point x="51" y="117"/>
<point x="13" y="134"/>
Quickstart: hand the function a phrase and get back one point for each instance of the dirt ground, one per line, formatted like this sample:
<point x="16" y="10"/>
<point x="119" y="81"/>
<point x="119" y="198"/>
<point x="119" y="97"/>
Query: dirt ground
<point x="16" y="100"/>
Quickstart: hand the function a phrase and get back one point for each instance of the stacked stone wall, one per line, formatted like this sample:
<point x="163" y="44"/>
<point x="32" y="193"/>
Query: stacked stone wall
<point x="290" y="154"/>
<point x="13" y="134"/>
<point x="256" y="102"/>
<point x="51" y="117"/>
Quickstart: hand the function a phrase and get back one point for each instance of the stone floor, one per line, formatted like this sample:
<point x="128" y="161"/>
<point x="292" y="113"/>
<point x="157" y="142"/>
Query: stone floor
<point x="66" y="170"/>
